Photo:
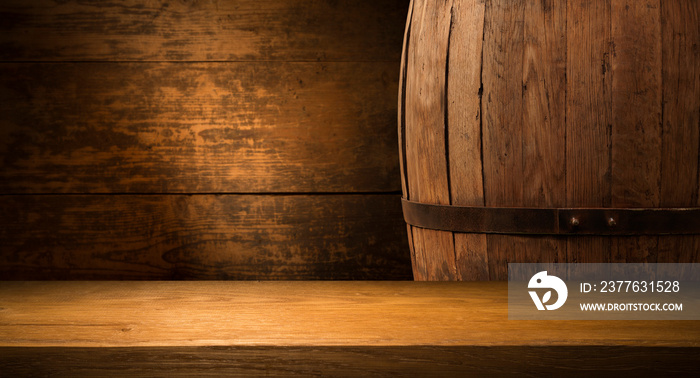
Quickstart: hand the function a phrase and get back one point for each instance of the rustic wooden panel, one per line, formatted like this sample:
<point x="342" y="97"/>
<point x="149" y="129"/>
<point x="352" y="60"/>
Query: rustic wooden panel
<point x="463" y="99"/>
<point x="194" y="127"/>
<point x="544" y="104"/>
<point x="679" y="185"/>
<point x="502" y="124"/>
<point x="464" y="131"/>
<point x="313" y="314"/>
<point x="503" y="103"/>
<point x="588" y="119"/>
<point x="316" y="30"/>
<point x="636" y="87"/>
<point x="427" y="172"/>
<point x="636" y="130"/>
<point x="202" y="237"/>
<point x="680" y="36"/>
<point x="425" y="103"/>
<point x="544" y="119"/>
<point x="382" y="361"/>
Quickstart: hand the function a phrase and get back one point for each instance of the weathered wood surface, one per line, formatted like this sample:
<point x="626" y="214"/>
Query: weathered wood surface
<point x="350" y="361"/>
<point x="200" y="97"/>
<point x="198" y="127"/>
<point x="315" y="328"/>
<point x="637" y="125"/>
<point x="580" y="104"/>
<point x="463" y="97"/>
<point x="588" y="119"/>
<point x="502" y="131"/>
<point x="219" y="30"/>
<point x="544" y="121"/>
<point x="163" y="237"/>
<point x="681" y="91"/>
<point x="425" y="127"/>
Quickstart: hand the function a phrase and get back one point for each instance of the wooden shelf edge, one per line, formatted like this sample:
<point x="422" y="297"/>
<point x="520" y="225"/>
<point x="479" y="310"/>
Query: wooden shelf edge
<point x="298" y="314"/>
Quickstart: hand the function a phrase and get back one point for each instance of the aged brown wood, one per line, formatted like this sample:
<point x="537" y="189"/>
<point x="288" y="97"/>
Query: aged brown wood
<point x="464" y="128"/>
<point x="350" y="361"/>
<point x="121" y="314"/>
<point x="502" y="121"/>
<point x="425" y="106"/>
<point x="200" y="97"/>
<point x="197" y="127"/>
<point x="544" y="114"/>
<point x="162" y="237"/>
<point x="583" y="104"/>
<point x="636" y="129"/>
<point x="681" y="90"/>
<point x="588" y="119"/>
<point x="314" y="328"/>
<point x="220" y="30"/>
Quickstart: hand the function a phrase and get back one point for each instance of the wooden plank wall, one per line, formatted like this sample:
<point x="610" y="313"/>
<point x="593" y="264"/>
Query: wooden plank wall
<point x="250" y="139"/>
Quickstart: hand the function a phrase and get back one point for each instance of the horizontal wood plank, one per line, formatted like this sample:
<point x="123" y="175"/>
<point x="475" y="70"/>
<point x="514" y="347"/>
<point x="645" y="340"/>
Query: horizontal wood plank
<point x="164" y="237"/>
<point x="360" y="313"/>
<point x="198" y="127"/>
<point x="327" y="361"/>
<point x="316" y="329"/>
<point x="219" y="30"/>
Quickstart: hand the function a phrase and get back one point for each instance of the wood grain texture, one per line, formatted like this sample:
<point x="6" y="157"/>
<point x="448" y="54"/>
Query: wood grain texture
<point x="588" y="119"/>
<point x="420" y="254"/>
<point x="125" y="97"/>
<point x="680" y="168"/>
<point x="544" y="120"/>
<point x="464" y="131"/>
<point x="502" y="103"/>
<point x="636" y="89"/>
<point x="427" y="171"/>
<point x="401" y="361"/>
<point x="463" y="99"/>
<point x="183" y="30"/>
<point x="425" y="103"/>
<point x="585" y="104"/>
<point x="156" y="237"/>
<point x="681" y="102"/>
<point x="188" y="314"/>
<point x="544" y="104"/>
<point x="636" y="138"/>
<point x="193" y="127"/>
<point x="502" y="124"/>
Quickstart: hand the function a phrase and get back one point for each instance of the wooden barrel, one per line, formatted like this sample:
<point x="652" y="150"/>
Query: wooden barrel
<point x="549" y="131"/>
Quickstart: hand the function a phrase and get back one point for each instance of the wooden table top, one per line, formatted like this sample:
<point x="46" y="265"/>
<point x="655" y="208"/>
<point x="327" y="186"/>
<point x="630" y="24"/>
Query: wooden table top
<point x="192" y="314"/>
